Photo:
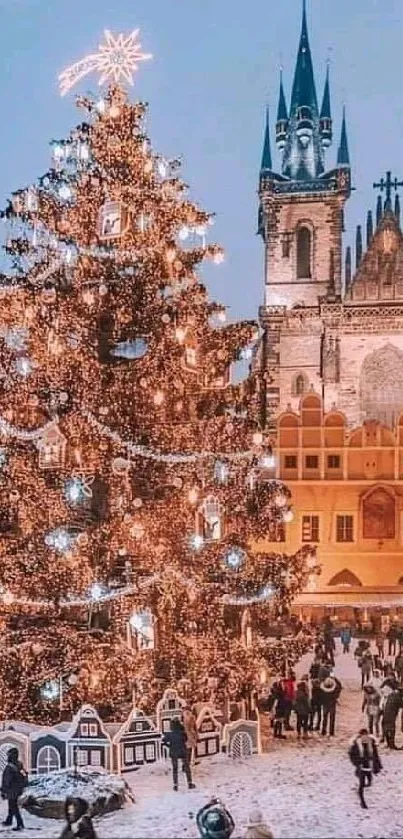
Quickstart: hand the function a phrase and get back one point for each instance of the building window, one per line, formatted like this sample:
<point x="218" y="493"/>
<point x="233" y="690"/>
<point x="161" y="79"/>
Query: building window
<point x="299" y="385"/>
<point x="150" y="751"/>
<point x="96" y="758"/>
<point x="290" y="461"/>
<point x="84" y="729"/>
<point x="93" y="729"/>
<point x="304" y="248"/>
<point x="311" y="461"/>
<point x="344" y="529"/>
<point x="333" y="461"/>
<point x="82" y="757"/>
<point x="310" y="528"/>
<point x="129" y="754"/>
<point x="139" y="753"/>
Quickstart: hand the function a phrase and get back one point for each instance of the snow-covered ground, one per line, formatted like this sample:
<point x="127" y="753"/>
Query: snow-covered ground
<point x="304" y="790"/>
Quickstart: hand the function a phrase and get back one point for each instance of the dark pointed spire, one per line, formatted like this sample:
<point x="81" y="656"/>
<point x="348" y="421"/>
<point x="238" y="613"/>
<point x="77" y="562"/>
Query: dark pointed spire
<point x="379" y="210"/>
<point x="370" y="228"/>
<point x="343" y="157"/>
<point x="266" y="164"/>
<point x="348" y="268"/>
<point x="325" y="122"/>
<point x="282" y="105"/>
<point x="282" y="117"/>
<point x="303" y="89"/>
<point x="397" y="208"/>
<point x="358" y="246"/>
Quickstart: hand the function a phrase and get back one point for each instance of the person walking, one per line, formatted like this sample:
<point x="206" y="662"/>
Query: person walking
<point x="391" y="636"/>
<point x="316" y="706"/>
<point x="214" y="821"/>
<point x="330" y="645"/>
<point x="391" y="709"/>
<point x="13" y="783"/>
<point x="366" y="668"/>
<point x="380" y="644"/>
<point x="302" y="708"/>
<point x="363" y="753"/>
<point x="79" y="823"/>
<point x="189" y="723"/>
<point x="345" y="638"/>
<point x="371" y="704"/>
<point x="288" y="685"/>
<point x="257" y="827"/>
<point x="280" y="709"/>
<point x="330" y="690"/>
<point x="176" y="741"/>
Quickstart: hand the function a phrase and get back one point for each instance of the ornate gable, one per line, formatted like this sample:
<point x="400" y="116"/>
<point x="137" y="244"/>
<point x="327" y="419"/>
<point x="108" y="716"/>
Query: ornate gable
<point x="380" y="273"/>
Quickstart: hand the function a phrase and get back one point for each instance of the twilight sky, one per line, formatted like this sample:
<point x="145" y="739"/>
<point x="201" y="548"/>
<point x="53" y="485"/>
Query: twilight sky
<point x="215" y="66"/>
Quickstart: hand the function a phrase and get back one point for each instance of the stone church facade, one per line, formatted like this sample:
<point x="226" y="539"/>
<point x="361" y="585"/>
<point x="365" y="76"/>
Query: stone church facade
<point x="335" y="335"/>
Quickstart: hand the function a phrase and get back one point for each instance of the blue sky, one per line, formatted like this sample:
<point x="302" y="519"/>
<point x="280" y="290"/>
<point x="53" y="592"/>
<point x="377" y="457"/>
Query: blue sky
<point x="215" y="66"/>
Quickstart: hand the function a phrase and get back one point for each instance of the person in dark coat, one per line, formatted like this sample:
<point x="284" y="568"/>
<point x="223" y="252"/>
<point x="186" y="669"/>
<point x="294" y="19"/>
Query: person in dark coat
<point x="79" y="823"/>
<point x="316" y="706"/>
<point x="280" y="709"/>
<point x="214" y="821"/>
<point x="363" y="753"/>
<point x="13" y="783"/>
<point x="330" y="690"/>
<point x="315" y="667"/>
<point x="391" y="709"/>
<point x="330" y="645"/>
<point x="176" y="741"/>
<point x="392" y="635"/>
<point x="302" y="708"/>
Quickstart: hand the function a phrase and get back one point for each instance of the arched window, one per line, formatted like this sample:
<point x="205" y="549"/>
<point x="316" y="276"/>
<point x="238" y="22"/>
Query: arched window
<point x="299" y="385"/>
<point x="48" y="760"/>
<point x="304" y="255"/>
<point x="345" y="579"/>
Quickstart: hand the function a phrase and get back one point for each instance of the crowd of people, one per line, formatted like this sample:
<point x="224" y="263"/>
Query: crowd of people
<point x="310" y="702"/>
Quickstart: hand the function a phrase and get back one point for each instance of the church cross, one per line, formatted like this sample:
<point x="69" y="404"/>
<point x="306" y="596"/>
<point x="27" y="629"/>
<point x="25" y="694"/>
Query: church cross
<point x="388" y="185"/>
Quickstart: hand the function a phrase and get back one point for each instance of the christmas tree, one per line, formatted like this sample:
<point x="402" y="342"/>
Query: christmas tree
<point x="138" y="492"/>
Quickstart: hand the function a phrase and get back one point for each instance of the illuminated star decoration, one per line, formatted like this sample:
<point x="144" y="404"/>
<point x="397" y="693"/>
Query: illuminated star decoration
<point x="117" y="59"/>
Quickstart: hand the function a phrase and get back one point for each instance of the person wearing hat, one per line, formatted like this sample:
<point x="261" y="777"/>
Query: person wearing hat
<point x="13" y="783"/>
<point x="257" y="827"/>
<point x="214" y="821"/>
<point x="330" y="690"/>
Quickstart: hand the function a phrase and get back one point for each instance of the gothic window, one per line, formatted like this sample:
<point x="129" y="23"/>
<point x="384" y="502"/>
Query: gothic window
<point x="304" y="253"/>
<point x="381" y="386"/>
<point x="299" y="386"/>
<point x="378" y="515"/>
<point x="286" y="243"/>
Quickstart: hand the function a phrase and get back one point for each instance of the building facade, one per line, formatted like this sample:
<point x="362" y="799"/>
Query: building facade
<point x="332" y="351"/>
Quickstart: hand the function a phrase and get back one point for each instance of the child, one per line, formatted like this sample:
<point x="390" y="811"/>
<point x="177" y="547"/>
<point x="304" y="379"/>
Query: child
<point x="176" y="741"/>
<point x="257" y="827"/>
<point x="79" y="823"/>
<point x="214" y="821"/>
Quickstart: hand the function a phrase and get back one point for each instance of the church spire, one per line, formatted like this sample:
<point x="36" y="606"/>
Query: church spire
<point x="343" y="157"/>
<point x="266" y="164"/>
<point x="325" y="115"/>
<point x="282" y="117"/>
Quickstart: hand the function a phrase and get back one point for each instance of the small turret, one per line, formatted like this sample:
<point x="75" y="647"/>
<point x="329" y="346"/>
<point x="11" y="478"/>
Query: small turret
<point x="358" y="247"/>
<point x="347" y="274"/>
<point x="343" y="157"/>
<point x="282" y="118"/>
<point x="370" y="228"/>
<point x="379" y="210"/>
<point x="266" y="164"/>
<point x="325" y="122"/>
<point x="397" y="209"/>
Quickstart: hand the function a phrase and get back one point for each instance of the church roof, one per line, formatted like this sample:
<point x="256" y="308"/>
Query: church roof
<point x="379" y="276"/>
<point x="266" y="163"/>
<point x="343" y="156"/>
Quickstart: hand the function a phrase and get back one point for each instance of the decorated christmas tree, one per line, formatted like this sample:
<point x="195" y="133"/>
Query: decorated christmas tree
<point x="138" y="493"/>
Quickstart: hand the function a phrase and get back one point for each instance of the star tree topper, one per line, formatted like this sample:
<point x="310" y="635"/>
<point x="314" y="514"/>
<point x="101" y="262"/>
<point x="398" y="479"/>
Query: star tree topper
<point x="117" y="59"/>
